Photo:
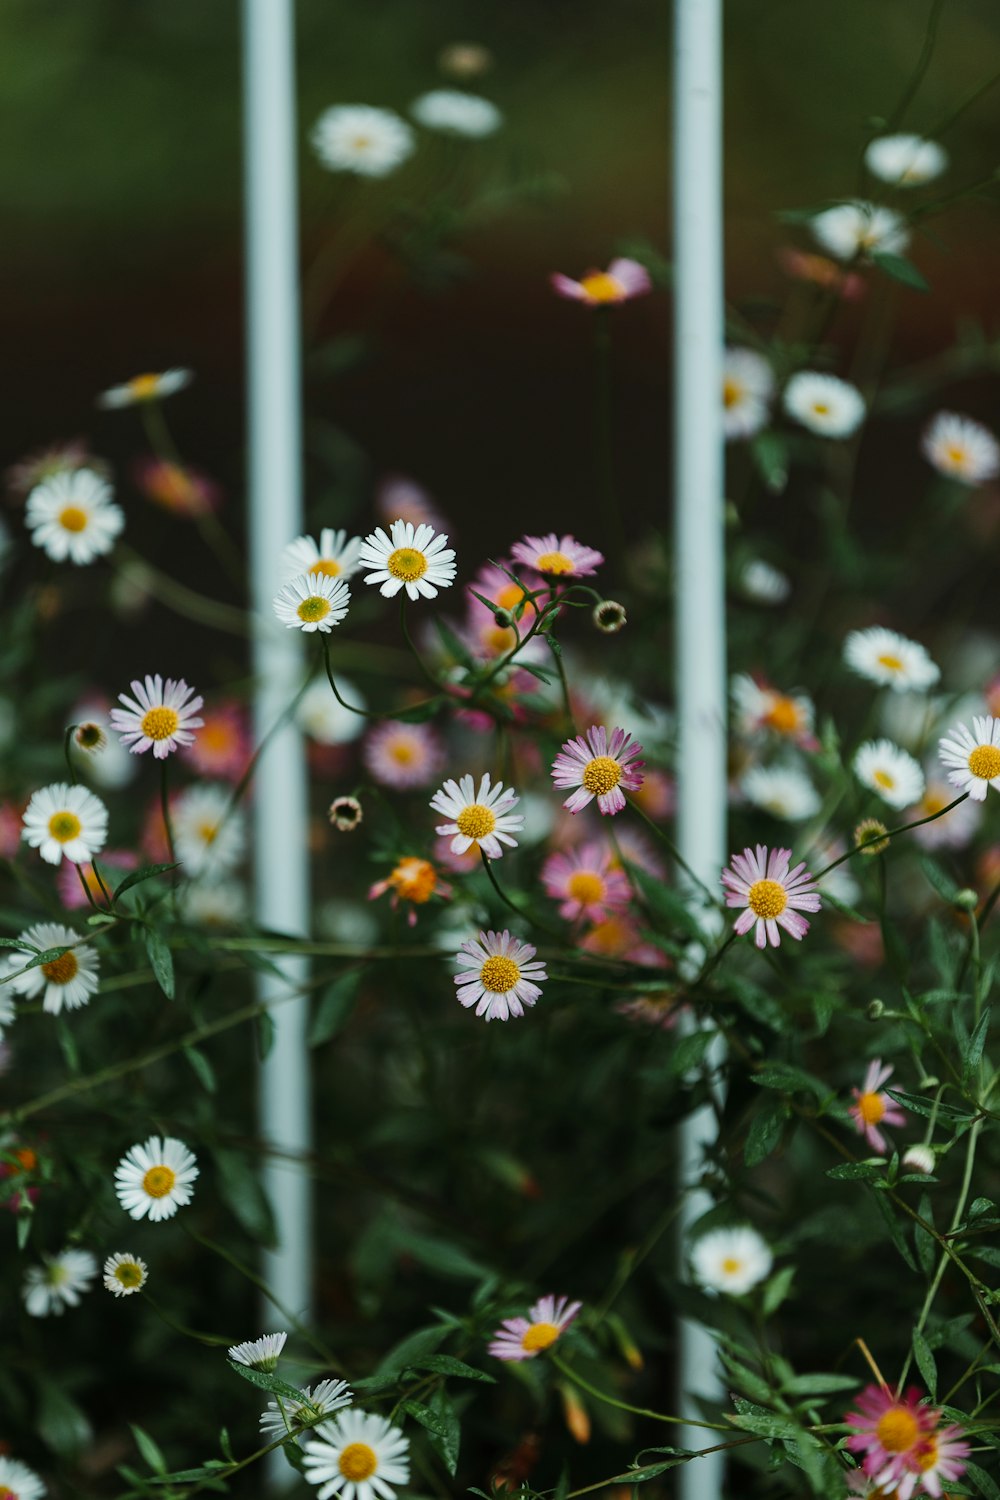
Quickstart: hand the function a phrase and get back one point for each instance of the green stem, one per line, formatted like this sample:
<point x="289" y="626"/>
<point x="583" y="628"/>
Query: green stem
<point x="923" y="63"/>
<point x="637" y="1411"/>
<point x="412" y="645"/>
<point x="890" y="833"/>
<point x="519" y="911"/>
<point x="674" y="852"/>
<point x="212" y="1339"/>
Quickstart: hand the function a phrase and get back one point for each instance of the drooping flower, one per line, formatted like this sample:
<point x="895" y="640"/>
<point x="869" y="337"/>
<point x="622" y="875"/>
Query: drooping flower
<point x="259" y="1354"/>
<point x="826" y="405"/>
<point x="68" y="981"/>
<point x="403" y="755"/>
<point x="557" y="557"/>
<point x="973" y="756"/>
<point x="890" y="772"/>
<point x="57" y="1283"/>
<point x="623" y="280"/>
<point x="312" y="602"/>
<point x="297" y="1416"/>
<point x="890" y="1430"/>
<point x="160" y="717"/>
<point x="765" y="710"/>
<point x="484" y="818"/>
<point x="890" y="660"/>
<point x="65" y="820"/>
<point x="587" y="882"/>
<point x="413" y="880"/>
<point x="125" y="1274"/>
<point x="858" y="230"/>
<point x="359" y="1457"/>
<point x="361" y="139"/>
<point x="960" y="448"/>
<point x="155" y="1178"/>
<point x="72" y="516"/>
<point x="526" y="1338"/>
<point x="18" y="1482"/>
<point x="408" y="557"/>
<point x="456" y="113"/>
<point x="731" y="1260"/>
<point x="598" y="768"/>
<point x="145" y="388"/>
<point x="335" y="555"/>
<point x="772" y="894"/>
<point x="783" y="791"/>
<point x="209" y="833"/>
<point x="905" y="160"/>
<point x="873" y="1108"/>
<point x="747" y="392"/>
<point x="496" y="975"/>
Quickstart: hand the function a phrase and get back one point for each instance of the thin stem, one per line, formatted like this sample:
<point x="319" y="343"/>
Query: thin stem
<point x="526" y="916"/>
<point x="212" y="1339"/>
<point x="890" y="833"/>
<point x="410" y="642"/>
<point x="673" y="851"/>
<point x="923" y="63"/>
<point x="165" y="810"/>
<point x="637" y="1411"/>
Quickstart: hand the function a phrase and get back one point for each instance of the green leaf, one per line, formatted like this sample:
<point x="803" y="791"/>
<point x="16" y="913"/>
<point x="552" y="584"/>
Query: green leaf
<point x="818" y="1385"/>
<point x="767" y="1424"/>
<point x="265" y="1380"/>
<point x="900" y="269"/>
<point x="862" y="1171"/>
<point x="770" y="455"/>
<point x="160" y="959"/>
<point x="765" y="1132"/>
<point x="939" y="879"/>
<point x="442" y="1427"/>
<point x="416" y="1346"/>
<point x="789" y="1080"/>
<point x="926" y="1363"/>
<point x="334" y="1007"/>
<point x="895" y="1233"/>
<point x="650" y="1471"/>
<point x="690" y="1051"/>
<point x="419" y="713"/>
<point x="138" y="876"/>
<point x="239" y="1188"/>
<point x="150" y="1452"/>
<point x="444" y="1364"/>
<point x="777" y="1289"/>
<point x="203" y="1069"/>
<point x="265" y="1032"/>
<point x="972" y="1054"/>
<point x="979" y="1477"/>
<point x="60" y="1422"/>
<point x="18" y="943"/>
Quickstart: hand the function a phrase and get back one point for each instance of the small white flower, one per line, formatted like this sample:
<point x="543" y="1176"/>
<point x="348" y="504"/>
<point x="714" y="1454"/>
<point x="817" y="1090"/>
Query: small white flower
<point x="919" y="1159"/>
<point x="209" y="834"/>
<point x="890" y="772"/>
<point x="954" y="829"/>
<point x="159" y="717"/>
<point x="7" y="1010"/>
<point x="890" y="659"/>
<point x="323" y="719"/>
<point x="409" y="557"/>
<point x="456" y="113"/>
<point x="311" y="602"/>
<point x="259" y="1354"/>
<point x="361" y="139"/>
<point x="57" y="1283"/>
<point x="73" y="516"/>
<point x="213" y="902"/>
<point x="747" y="391"/>
<point x="125" y="1274"/>
<point x="482" y="818"/>
<point x="360" y="1457"/>
<point x="145" y="388"/>
<point x="731" y="1260"/>
<point x="782" y="791"/>
<point x="905" y="160"/>
<point x="289" y="1416"/>
<point x="18" y="1481"/>
<point x="973" y="758"/>
<point x="850" y="230"/>
<point x="496" y="975"/>
<point x="335" y="555"/>
<point x="65" y="820"/>
<point x="155" y="1178"/>
<point x="764" y="584"/>
<point x="827" y="406"/>
<point x="960" y="448"/>
<point x="66" y="981"/>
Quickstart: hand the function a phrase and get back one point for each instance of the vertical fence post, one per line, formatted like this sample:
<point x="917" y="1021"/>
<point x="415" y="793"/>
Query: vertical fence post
<point x="699" y="574"/>
<point x="275" y="517"/>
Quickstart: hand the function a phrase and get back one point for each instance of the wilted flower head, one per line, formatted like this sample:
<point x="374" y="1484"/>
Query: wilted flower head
<point x="871" y="836"/>
<point x="609" y="616"/>
<point x="345" y="813"/>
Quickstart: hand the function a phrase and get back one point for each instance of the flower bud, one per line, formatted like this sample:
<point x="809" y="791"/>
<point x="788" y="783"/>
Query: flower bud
<point x="609" y="616"/>
<point x="345" y="813"/>
<point x="875" y="1009"/>
<point x="966" y="899"/>
<point x="871" y="829"/>
<point x="919" y="1159"/>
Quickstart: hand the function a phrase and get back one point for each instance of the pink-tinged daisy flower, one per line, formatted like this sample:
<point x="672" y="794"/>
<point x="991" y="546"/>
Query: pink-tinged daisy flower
<point x="63" y="820"/>
<point x="974" y="757"/>
<point x="224" y="746"/>
<point x="772" y="894"/>
<point x="176" y="488"/>
<point x="874" y="1108"/>
<point x="557" y="557"/>
<point x="487" y="637"/>
<point x="399" y="497"/>
<point x="587" y="883"/>
<point x="409" y="557"/>
<point x="615" y="937"/>
<point x="484" y="818"/>
<point x="805" y="266"/>
<point x="598" y="768"/>
<point x="890" y="1431"/>
<point x="496" y="975"/>
<point x="960" y="448"/>
<point x="623" y="280"/>
<point x="526" y="1338"/>
<point x="403" y="755"/>
<point x="60" y="458"/>
<point x="18" y="1481"/>
<point x="633" y="848"/>
<point x="160" y="717"/>
<point x="941" y="1455"/>
<point x="413" y="880"/>
<point x="764" y="710"/>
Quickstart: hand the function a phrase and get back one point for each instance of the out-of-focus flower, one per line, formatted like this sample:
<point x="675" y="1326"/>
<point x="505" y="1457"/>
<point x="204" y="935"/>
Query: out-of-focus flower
<point x="870" y="837"/>
<point x="826" y="405"/>
<point x="484" y="818"/>
<point x="805" y="266"/>
<point x="57" y="1283"/>
<point x="496" y="975"/>
<point x="764" y="584"/>
<point x="398" y="497"/>
<point x="155" y="1178"/>
<point x="731" y="1260"/>
<point x="259" y="1354"/>
<point x="345" y="813"/>
<point x="465" y="59"/>
<point x="176" y="487"/>
<point x="295" y="1416"/>
<point x="160" y="717"/>
<point x="335" y="555"/>
<point x="312" y="602"/>
<point x="414" y="880"/>
<point x="919" y="1159"/>
<point x="960" y="448"/>
<point x="889" y="659"/>
<point x="765" y="710"/>
<point x="873" y="1108"/>
<point x="587" y="882"/>
<point x="125" y="1274"/>
<point x="223" y="746"/>
<point x="456" y="113"/>
<point x="325" y="720"/>
<point x="408" y="557"/>
<point x="623" y="280"/>
<point x="68" y="981"/>
<point x="72" y="516"/>
<point x="65" y="820"/>
<point x="145" y="388"/>
<point x="17" y="1480"/>
<point x="905" y="160"/>
<point x="557" y="557"/>
<point x="598" y="767"/>
<point x="783" y="791"/>
<point x="859" y="230"/>
<point x="772" y="894"/>
<point x="952" y="831"/>
<point x="70" y="878"/>
<point x="974" y="757"/>
<point x="403" y="756"/>
<point x="61" y="458"/>
<point x="212" y="903"/>
<point x="526" y="1338"/>
<point x="890" y="772"/>
<point x="747" y="391"/>
<point x="209" y="833"/>
<point x="358" y="1457"/>
<point x="890" y="1430"/>
<point x="361" y="139"/>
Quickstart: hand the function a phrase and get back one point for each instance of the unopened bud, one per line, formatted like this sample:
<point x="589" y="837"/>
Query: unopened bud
<point x="345" y="813"/>
<point x="871" y="836"/>
<point x="609" y="616"/>
<point x="966" y="899"/>
<point x="90" y="737"/>
<point x="919" y="1159"/>
<point x="875" y="1009"/>
<point x="504" y="618"/>
<point x="576" y="1414"/>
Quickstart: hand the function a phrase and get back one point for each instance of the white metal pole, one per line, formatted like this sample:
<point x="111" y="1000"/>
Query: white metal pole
<point x="699" y="575"/>
<point x="275" y="518"/>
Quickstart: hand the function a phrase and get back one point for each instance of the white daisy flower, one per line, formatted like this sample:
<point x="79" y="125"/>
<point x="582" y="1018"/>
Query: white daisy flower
<point x="18" y="1482"/>
<point x="312" y="602"/>
<point x="67" y="981"/>
<point x="155" y="1178"/>
<point x="259" y="1354"/>
<point x="731" y="1260"/>
<point x="973" y="757"/>
<point x="827" y="406"/>
<point x="73" y="516"/>
<point x="335" y="555"/>
<point x="159" y="717"/>
<point x="290" y="1416"/>
<point x="482" y="818"/>
<point x="782" y="791"/>
<point x="212" y="902"/>
<point x="359" y="1457"/>
<point x="358" y="138"/>
<point x="905" y="160"/>
<point x="496" y="975"/>
<point x="960" y="448"/>
<point x="8" y="1011"/>
<point x="952" y="831"/>
<point x="747" y="391"/>
<point x="65" y="820"/>
<point x="57" y="1283"/>
<point x="889" y="659"/>
<point x="850" y="230"/>
<point x="890" y="772"/>
<point x="145" y="388"/>
<point x="410" y="557"/>
<point x="764" y="710"/>
<point x="209" y="834"/>
<point x="456" y="113"/>
<point x="764" y="584"/>
<point x="323" y="719"/>
<point x="125" y="1274"/>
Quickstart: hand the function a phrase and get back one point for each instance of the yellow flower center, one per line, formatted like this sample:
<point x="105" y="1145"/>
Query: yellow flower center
<point x="361" y="143"/>
<point x="731" y="1265"/>
<point x="984" y="762"/>
<point x="585" y="886"/>
<point x="897" y="1430"/>
<point x="554" y="562"/>
<point x="539" y="1336"/>
<point x="61" y="970"/>
<point x="207" y="832"/>
<point x="144" y="387"/>
<point x="600" y="287"/>
<point x="414" y="879"/>
<point x="407" y="564"/>
<point x="402" y="752"/>
<point x="218" y="734"/>
<point x="932" y="803"/>
<point x="611" y="936"/>
<point x="510" y="596"/>
<point x="821" y="408"/>
<point x="73" y="518"/>
<point x="357" y="1461"/>
<point x="927" y="1455"/>
<point x="129" y="1274"/>
<point x="498" y="639"/>
<point x="767" y="899"/>
<point x="890" y="662"/>
<point x="884" y="780"/>
<point x="475" y="821"/>
<point x="65" y="826"/>
<point x="159" y="1181"/>
<point x="601" y="775"/>
<point x="499" y="974"/>
<point x="732" y="393"/>
<point x="871" y="1108"/>
<point x="783" y="716"/>
<point x="327" y="567"/>
<point x="160" y="723"/>
<point x="313" y="609"/>
<point x="6" y="1494"/>
<point x="956" y="456"/>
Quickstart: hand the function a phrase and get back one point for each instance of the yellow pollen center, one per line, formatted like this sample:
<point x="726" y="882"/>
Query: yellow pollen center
<point x="499" y="974"/>
<point x="158" y="1181"/>
<point x="783" y="716"/>
<point x="475" y="821"/>
<point x="600" y="287"/>
<point x="313" y="609"/>
<point x="871" y="1108"/>
<point x="6" y="1494"/>
<point x="897" y="1430"/>
<point x="160" y="723"/>
<point x="402" y="752"/>
<point x="327" y="567"/>
<point x="407" y="564"/>
<point x="510" y="596"/>
<point x="61" y="970"/>
<point x="65" y="826"/>
<point x="884" y="780"/>
<point x="361" y="142"/>
<point x="956" y="456"/>
<point x="128" y="1274"/>
<point x="539" y="1336"/>
<point x="767" y="899"/>
<point x="890" y="662"/>
<point x="927" y="1455"/>
<point x="207" y="832"/>
<point x="217" y="735"/>
<point x="731" y="1265"/>
<point x="821" y="408"/>
<point x="732" y="393"/>
<point x="357" y="1461"/>
<point x="984" y="762"/>
<point x="554" y="562"/>
<point x="499" y="639"/>
<point x="601" y="775"/>
<point x="414" y="879"/>
<point x="933" y="803"/>
<point x="586" y="887"/>
<point x="73" y="518"/>
<point x="144" y="387"/>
